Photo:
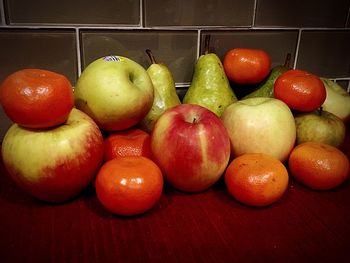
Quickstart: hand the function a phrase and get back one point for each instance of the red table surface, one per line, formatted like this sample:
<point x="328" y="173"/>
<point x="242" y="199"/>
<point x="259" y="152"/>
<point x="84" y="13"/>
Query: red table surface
<point x="211" y="226"/>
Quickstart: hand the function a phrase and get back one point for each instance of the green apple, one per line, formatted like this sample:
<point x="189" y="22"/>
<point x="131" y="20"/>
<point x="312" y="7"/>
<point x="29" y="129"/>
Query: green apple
<point x="320" y="126"/>
<point x="116" y="92"/>
<point x="260" y="125"/>
<point x="337" y="100"/>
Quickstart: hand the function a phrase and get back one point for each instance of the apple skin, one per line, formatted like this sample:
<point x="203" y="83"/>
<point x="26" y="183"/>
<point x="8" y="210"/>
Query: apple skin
<point x="54" y="164"/>
<point x="320" y="126"/>
<point x="115" y="92"/>
<point x="191" y="146"/>
<point x="337" y="100"/>
<point x="260" y="125"/>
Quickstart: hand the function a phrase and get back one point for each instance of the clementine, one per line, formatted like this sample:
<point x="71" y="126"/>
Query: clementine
<point x="256" y="179"/>
<point x="300" y="90"/>
<point x="129" y="186"/>
<point x="36" y="98"/>
<point x="131" y="142"/>
<point x="318" y="166"/>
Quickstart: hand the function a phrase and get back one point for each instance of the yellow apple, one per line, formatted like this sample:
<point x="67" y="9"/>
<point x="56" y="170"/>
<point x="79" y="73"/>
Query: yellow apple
<point x="260" y="125"/>
<point x="116" y="92"/>
<point x="337" y="100"/>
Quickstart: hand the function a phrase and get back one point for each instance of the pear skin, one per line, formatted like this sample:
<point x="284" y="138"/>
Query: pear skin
<point x="266" y="88"/>
<point x="210" y="87"/>
<point x="165" y="95"/>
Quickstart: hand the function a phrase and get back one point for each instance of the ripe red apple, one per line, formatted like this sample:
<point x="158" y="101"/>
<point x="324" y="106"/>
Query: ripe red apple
<point x="191" y="146"/>
<point x="54" y="164"/>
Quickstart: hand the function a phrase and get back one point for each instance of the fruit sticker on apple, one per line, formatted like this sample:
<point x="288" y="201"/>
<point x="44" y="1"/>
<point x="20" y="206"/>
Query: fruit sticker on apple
<point x="191" y="146"/>
<point x="115" y="91"/>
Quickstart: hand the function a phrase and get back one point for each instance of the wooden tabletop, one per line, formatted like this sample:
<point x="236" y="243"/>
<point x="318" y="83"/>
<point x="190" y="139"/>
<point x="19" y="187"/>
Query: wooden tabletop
<point x="304" y="226"/>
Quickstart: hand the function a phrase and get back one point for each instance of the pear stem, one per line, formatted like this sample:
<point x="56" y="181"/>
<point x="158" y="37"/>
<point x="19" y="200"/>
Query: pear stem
<point x="287" y="61"/>
<point x="206" y="44"/>
<point x="151" y="57"/>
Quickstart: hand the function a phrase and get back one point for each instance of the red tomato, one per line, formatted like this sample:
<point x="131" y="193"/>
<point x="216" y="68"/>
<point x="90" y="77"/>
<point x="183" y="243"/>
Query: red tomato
<point x="36" y="98"/>
<point x="300" y="90"/>
<point x="246" y="66"/>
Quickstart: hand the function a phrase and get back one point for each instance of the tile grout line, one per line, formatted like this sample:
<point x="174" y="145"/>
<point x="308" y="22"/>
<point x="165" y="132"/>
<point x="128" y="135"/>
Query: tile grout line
<point x="297" y="49"/>
<point x="141" y="22"/>
<point x="199" y="33"/>
<point x="77" y="37"/>
<point x="254" y="12"/>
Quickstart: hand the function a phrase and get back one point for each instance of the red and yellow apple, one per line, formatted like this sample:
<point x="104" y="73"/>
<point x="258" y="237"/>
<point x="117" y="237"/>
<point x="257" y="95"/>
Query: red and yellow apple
<point x="116" y="92"/>
<point x="191" y="146"/>
<point x="260" y="125"/>
<point x="54" y="164"/>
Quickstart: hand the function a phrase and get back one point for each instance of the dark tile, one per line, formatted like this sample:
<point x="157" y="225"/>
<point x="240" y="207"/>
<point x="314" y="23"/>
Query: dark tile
<point x="5" y="124"/>
<point x="177" y="49"/>
<point x="1" y="11"/>
<point x="198" y="13"/>
<point x="301" y="13"/>
<point x="325" y="53"/>
<point x="47" y="49"/>
<point x="343" y="83"/>
<point x="277" y="43"/>
<point x="123" y="12"/>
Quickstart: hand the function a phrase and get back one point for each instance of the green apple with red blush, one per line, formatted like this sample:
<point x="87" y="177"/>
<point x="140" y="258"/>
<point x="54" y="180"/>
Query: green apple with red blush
<point x="54" y="164"/>
<point x="191" y="146"/>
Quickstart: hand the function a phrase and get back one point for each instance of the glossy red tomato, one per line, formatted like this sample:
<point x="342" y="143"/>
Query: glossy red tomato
<point x="246" y="66"/>
<point x="36" y="98"/>
<point x="300" y="90"/>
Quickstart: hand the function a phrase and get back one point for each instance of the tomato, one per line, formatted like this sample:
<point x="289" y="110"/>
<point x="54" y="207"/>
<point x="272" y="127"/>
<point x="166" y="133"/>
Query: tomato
<point x="246" y="66"/>
<point x="36" y="98"/>
<point x="300" y="90"/>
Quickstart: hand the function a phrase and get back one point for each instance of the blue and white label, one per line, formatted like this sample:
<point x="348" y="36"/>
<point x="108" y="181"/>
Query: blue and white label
<point x="113" y="58"/>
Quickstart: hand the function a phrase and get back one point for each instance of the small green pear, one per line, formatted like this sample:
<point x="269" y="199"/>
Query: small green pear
<point x="165" y="95"/>
<point x="265" y="89"/>
<point x="210" y="87"/>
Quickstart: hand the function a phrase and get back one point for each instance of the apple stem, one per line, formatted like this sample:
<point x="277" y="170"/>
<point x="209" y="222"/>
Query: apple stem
<point x="151" y="57"/>
<point x="287" y="61"/>
<point x="320" y="110"/>
<point x="206" y="44"/>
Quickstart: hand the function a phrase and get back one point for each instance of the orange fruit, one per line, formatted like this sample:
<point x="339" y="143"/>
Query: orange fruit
<point x="131" y="142"/>
<point x="300" y="90"/>
<point x="256" y="179"/>
<point x="36" y="98"/>
<point x="246" y="65"/>
<point x="318" y="166"/>
<point x="129" y="186"/>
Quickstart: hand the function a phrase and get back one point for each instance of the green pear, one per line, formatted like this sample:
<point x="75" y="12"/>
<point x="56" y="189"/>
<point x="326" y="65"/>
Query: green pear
<point x="265" y="89"/>
<point x="210" y="87"/>
<point x="165" y="95"/>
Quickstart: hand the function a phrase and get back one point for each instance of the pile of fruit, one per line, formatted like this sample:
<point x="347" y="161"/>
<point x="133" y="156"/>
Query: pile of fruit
<point x="124" y="129"/>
